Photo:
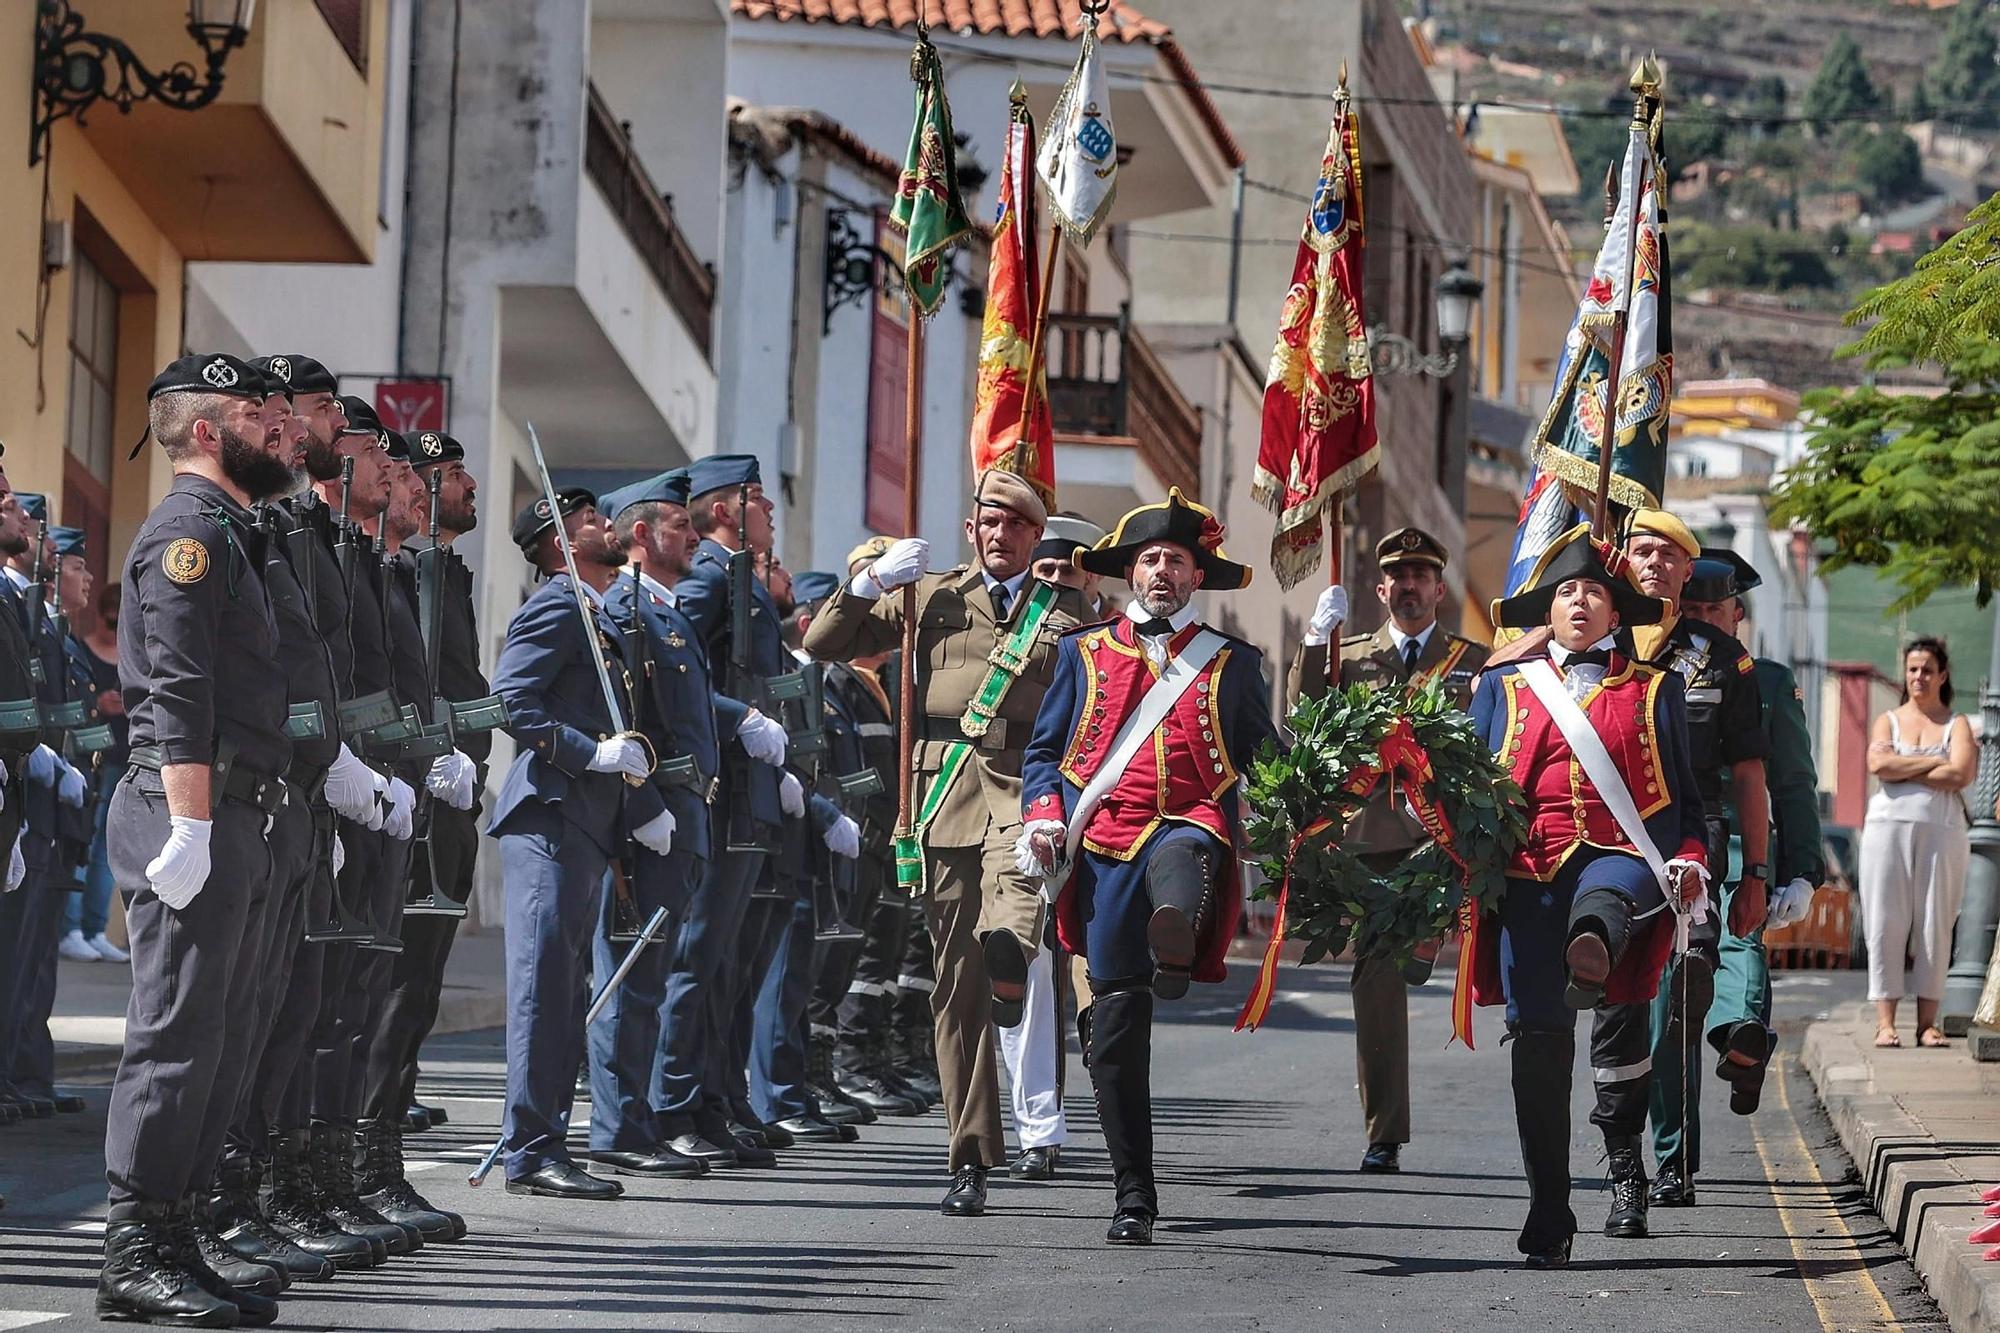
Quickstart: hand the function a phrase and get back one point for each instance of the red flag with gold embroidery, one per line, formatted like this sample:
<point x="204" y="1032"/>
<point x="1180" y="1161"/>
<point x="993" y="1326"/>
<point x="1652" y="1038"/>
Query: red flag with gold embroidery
<point x="1319" y="398"/>
<point x="999" y="437"/>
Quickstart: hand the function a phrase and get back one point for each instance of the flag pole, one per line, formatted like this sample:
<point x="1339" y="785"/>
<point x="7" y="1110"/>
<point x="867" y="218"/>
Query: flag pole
<point x="1645" y="88"/>
<point x="1341" y="104"/>
<point x="913" y="434"/>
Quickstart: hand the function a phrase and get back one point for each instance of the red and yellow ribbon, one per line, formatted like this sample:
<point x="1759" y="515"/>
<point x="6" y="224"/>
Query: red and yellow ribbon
<point x="1402" y="758"/>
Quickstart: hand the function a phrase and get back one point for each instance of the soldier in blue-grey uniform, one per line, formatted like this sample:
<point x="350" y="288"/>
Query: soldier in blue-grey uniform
<point x="679" y="713"/>
<point x="576" y="790"/>
<point x="712" y="969"/>
<point x="205" y="693"/>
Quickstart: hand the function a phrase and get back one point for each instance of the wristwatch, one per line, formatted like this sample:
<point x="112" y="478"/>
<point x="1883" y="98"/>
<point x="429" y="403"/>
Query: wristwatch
<point x="1757" y="870"/>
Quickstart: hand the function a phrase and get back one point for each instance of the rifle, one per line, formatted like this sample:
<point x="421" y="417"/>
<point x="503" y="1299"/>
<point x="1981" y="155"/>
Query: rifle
<point x="430" y="621"/>
<point x="367" y="719"/>
<point x="31" y="605"/>
<point x="85" y="739"/>
<point x="830" y="921"/>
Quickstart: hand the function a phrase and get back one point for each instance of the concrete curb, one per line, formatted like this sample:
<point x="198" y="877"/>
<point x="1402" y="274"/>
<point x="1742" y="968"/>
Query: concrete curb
<point x="460" y="1009"/>
<point x="1927" y="1192"/>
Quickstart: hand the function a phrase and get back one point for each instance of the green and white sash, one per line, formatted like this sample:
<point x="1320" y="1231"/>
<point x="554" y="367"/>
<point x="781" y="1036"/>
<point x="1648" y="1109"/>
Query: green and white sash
<point x="1004" y="665"/>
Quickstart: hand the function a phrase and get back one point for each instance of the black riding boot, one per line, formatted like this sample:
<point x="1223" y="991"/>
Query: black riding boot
<point x="144" y="1278"/>
<point x="1180" y="882"/>
<point x="1120" y="1057"/>
<point x="294" y="1209"/>
<point x="1541" y="1116"/>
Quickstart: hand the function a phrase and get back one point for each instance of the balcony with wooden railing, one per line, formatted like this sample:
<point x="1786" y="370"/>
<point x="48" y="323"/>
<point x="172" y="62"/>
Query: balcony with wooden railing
<point x="1107" y="385"/>
<point x="648" y="221"/>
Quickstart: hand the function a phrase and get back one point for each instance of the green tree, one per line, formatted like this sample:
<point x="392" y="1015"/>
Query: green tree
<point x="1965" y="76"/>
<point x="1909" y="483"/>
<point x="1766" y="97"/>
<point x="1842" y="89"/>
<point x="1920" y="108"/>
<point x="1699" y="135"/>
<point x="1889" y="168"/>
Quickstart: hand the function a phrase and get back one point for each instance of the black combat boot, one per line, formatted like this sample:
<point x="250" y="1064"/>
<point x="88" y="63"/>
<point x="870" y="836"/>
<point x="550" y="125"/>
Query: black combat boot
<point x="196" y="1249"/>
<point x="1120" y="1061"/>
<point x="1628" y="1188"/>
<point x="234" y="1212"/>
<point x="294" y="1210"/>
<point x="332" y="1157"/>
<point x="384" y="1188"/>
<point x="144" y="1279"/>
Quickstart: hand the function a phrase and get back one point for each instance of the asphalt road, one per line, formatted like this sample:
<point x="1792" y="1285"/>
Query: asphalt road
<point x="1267" y="1224"/>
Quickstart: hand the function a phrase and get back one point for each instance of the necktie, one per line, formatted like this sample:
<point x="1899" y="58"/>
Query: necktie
<point x="1154" y="628"/>
<point x="1594" y="657"/>
<point x="1411" y="650"/>
<point x="999" y="601"/>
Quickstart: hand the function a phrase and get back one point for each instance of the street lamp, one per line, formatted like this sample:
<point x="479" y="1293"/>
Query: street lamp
<point x="75" y="69"/>
<point x="1457" y="292"/>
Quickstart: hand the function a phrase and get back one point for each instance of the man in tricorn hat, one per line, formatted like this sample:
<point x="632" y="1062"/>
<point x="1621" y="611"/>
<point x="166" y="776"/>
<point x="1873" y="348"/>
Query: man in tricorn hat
<point x="1410" y="648"/>
<point x="975" y="709"/>
<point x="1129" y="801"/>
<point x="1598" y="744"/>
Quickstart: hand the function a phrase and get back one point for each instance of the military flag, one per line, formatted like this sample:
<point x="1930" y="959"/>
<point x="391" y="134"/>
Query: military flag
<point x="1622" y="335"/>
<point x="929" y="211"/>
<point x="1079" y="160"/>
<point x="1318" y="436"/>
<point x="1001" y="436"/>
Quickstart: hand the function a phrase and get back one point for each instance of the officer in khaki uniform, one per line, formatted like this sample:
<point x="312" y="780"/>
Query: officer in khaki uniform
<point x="1411" y="645"/>
<point x="985" y="916"/>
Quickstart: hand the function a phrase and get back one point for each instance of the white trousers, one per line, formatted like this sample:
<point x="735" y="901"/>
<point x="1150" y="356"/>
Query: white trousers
<point x="1912" y="883"/>
<point x="1031" y="1049"/>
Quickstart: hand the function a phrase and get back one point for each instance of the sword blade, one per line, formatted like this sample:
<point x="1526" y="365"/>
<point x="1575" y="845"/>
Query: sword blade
<point x="583" y="607"/>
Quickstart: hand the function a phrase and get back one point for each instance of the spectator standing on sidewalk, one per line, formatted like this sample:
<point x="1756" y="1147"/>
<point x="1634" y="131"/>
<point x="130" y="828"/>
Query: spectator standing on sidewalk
<point x="1913" y="846"/>
<point x="84" y="940"/>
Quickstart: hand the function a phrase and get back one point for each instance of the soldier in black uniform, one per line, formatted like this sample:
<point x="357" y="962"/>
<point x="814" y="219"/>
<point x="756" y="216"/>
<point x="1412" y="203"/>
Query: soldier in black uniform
<point x="444" y="864"/>
<point x="289" y="990"/>
<point x="1725" y="734"/>
<point x="18" y="736"/>
<point x="205" y="691"/>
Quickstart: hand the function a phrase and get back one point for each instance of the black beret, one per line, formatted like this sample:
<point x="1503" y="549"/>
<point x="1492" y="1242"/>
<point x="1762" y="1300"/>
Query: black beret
<point x="428" y="447"/>
<point x="209" y="372"/>
<point x="535" y="518"/>
<point x="361" y="418"/>
<point x="396" y="445"/>
<point x="297" y="374"/>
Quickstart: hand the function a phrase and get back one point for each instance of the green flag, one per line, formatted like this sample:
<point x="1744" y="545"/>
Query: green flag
<point x="928" y="210"/>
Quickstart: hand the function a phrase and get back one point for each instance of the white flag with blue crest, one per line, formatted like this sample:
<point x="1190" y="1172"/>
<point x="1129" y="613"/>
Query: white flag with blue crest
<point x="1079" y="158"/>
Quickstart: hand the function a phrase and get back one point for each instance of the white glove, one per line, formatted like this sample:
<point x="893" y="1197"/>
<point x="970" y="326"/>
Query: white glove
<point x="844" y="838"/>
<point x="352" y="789"/>
<point x="656" y="835"/>
<point x="763" y="738"/>
<point x="791" y="794"/>
<point x="1038" y="851"/>
<point x="44" y="766"/>
<point x="1328" y="616"/>
<point x="620" y="754"/>
<point x="71" y="786"/>
<point x="1789" y="905"/>
<point x="17" y="867"/>
<point x="397" y="823"/>
<point x="904" y="562"/>
<point x="178" y="873"/>
<point x="339" y="854"/>
<point x="450" y="779"/>
<point x="3" y="786"/>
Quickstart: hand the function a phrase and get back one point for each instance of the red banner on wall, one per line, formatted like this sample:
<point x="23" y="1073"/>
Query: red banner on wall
<point x="411" y="405"/>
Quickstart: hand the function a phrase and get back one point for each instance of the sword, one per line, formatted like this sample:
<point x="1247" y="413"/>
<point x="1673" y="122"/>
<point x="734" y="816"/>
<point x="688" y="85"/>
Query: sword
<point x="654" y="926"/>
<point x="583" y="608"/>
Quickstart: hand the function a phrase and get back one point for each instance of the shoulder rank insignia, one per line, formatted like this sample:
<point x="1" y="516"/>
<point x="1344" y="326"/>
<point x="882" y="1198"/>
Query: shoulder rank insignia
<point x="185" y="560"/>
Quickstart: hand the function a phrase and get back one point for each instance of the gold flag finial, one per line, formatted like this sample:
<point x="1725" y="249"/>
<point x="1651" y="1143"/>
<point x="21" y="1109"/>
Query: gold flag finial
<point x="1340" y="93"/>
<point x="1018" y="94"/>
<point x="1646" y="77"/>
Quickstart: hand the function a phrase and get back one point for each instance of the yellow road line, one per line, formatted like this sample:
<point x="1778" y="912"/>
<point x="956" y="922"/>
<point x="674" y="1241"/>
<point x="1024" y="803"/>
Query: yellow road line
<point x="1826" y="1292"/>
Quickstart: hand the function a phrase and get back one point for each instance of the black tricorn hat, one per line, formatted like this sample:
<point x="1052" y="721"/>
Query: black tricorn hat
<point x="1175" y="519"/>
<point x="1578" y="555"/>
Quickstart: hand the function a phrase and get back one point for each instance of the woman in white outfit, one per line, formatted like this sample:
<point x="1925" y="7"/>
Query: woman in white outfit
<point x="1914" y="849"/>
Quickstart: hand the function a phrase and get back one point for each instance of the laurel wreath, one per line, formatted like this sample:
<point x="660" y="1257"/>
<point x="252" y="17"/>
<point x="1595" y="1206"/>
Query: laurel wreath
<point x="1302" y="799"/>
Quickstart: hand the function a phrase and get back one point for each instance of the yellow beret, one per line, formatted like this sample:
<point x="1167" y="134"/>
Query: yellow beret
<point x="1662" y="524"/>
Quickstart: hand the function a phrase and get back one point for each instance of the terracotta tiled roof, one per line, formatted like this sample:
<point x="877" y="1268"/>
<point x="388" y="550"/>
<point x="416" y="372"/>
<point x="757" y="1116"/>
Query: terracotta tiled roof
<point x="1058" y="19"/>
<point x="1009" y="18"/>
